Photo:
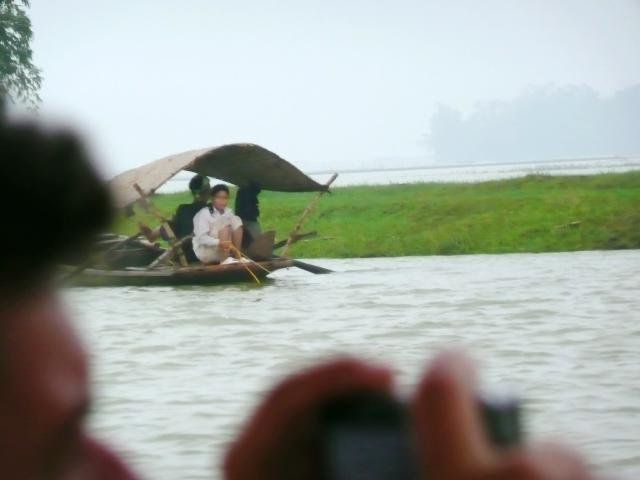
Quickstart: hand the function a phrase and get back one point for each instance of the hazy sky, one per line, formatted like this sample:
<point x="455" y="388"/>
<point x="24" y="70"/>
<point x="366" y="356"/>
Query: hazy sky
<point x="325" y="84"/>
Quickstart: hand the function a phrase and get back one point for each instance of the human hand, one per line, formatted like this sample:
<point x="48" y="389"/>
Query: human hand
<point x="451" y="441"/>
<point x="95" y="461"/>
<point x="280" y="441"/>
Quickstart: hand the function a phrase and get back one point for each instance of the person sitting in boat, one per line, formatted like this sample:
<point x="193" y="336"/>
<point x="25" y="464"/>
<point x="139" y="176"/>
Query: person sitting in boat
<point x="217" y="231"/>
<point x="182" y="221"/>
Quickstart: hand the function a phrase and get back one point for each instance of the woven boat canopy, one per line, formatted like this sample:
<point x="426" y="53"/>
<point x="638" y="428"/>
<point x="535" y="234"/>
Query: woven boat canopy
<point x="240" y="164"/>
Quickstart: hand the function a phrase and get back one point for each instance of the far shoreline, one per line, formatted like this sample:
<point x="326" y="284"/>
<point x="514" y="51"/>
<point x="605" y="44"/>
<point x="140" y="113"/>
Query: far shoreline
<point x="531" y="214"/>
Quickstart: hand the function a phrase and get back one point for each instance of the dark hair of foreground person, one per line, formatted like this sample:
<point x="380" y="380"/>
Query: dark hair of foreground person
<point x="54" y="203"/>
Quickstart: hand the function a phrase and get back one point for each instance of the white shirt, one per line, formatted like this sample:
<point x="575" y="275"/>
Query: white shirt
<point x="206" y="224"/>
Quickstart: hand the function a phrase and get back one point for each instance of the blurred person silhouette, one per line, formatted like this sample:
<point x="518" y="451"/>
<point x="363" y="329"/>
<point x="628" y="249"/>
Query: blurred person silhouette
<point x="54" y="204"/>
<point x="44" y="387"/>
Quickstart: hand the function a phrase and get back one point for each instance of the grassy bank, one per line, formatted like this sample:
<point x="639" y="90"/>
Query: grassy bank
<point x="532" y="214"/>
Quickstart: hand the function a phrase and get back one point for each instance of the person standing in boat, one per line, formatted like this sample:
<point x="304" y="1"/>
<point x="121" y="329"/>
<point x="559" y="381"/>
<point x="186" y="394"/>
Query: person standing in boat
<point x="182" y="221"/>
<point x="217" y="231"/>
<point x="247" y="208"/>
<point x="257" y="245"/>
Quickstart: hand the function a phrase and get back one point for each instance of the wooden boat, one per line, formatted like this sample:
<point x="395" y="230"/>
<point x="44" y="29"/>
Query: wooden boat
<point x="171" y="276"/>
<point x="122" y="261"/>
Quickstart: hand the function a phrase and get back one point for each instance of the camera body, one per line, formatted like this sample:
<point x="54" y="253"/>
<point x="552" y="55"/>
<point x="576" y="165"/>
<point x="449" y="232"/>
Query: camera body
<point x="367" y="435"/>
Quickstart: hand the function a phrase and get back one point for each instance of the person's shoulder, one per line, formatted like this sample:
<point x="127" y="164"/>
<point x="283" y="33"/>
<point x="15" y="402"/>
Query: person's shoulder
<point x="203" y="211"/>
<point x="183" y="207"/>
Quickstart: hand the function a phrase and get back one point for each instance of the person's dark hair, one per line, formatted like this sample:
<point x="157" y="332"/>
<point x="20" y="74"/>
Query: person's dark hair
<point x="53" y="203"/>
<point x="221" y="187"/>
<point x="247" y="206"/>
<point x="197" y="183"/>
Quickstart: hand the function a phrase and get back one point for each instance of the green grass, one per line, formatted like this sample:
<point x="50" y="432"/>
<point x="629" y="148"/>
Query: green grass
<point x="537" y="213"/>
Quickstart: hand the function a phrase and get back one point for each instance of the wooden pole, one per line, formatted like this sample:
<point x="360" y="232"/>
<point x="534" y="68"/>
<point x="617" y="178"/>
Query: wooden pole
<point x="165" y="224"/>
<point x="167" y="254"/>
<point x="305" y="213"/>
<point x="296" y="238"/>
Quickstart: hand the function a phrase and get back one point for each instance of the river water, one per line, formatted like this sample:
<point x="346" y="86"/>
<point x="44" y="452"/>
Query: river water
<point x="176" y="370"/>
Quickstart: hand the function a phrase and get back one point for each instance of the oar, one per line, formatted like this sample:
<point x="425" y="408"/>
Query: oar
<point x="306" y="266"/>
<point x="311" y="268"/>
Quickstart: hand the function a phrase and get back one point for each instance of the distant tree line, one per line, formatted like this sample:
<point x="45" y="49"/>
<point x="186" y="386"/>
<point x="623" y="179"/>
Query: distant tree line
<point x="544" y="123"/>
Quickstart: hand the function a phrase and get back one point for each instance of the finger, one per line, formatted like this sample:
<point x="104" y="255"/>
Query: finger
<point x="544" y="462"/>
<point x="279" y="436"/>
<point x="450" y="437"/>
<point x="98" y="462"/>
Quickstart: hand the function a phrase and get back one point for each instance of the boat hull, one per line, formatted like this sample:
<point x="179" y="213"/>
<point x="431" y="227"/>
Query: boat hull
<point x="170" y="276"/>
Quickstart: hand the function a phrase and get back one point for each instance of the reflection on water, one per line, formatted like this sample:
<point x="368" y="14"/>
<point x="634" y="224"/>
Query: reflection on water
<point x="177" y="369"/>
